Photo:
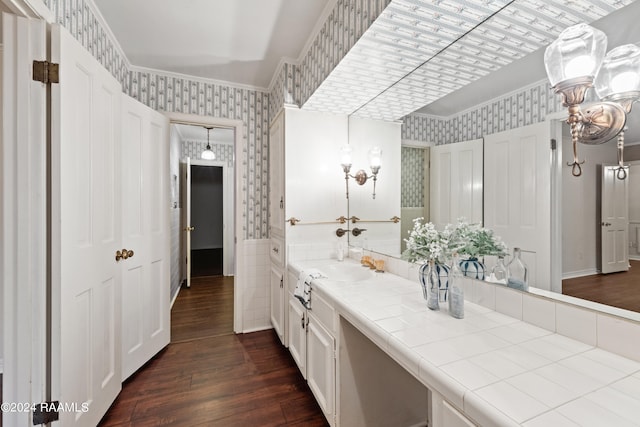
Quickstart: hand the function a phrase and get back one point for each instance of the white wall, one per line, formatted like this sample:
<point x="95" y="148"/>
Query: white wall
<point x="1" y="284"/>
<point x="364" y="134"/>
<point x="313" y="177"/>
<point x="581" y="206"/>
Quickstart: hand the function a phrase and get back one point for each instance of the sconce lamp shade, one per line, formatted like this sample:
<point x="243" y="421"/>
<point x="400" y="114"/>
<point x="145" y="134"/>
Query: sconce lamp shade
<point x="345" y="157"/>
<point x="577" y="53"/>
<point x="619" y="76"/>
<point x="375" y="158"/>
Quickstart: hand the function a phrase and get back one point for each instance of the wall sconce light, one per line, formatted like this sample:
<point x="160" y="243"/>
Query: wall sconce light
<point x="361" y="177"/>
<point x="208" y="154"/>
<point x="572" y="62"/>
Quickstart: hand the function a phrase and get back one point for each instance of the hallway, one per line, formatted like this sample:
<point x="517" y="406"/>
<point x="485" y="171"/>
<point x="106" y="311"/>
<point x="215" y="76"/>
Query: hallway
<point x="209" y="376"/>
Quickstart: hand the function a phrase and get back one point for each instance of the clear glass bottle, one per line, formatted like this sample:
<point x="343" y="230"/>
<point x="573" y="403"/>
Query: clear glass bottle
<point x="429" y="281"/>
<point x="499" y="271"/>
<point x="456" y="292"/>
<point x="517" y="273"/>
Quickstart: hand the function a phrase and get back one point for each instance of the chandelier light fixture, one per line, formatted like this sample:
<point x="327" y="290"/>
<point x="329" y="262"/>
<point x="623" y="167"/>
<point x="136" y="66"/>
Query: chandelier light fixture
<point x="208" y="154"/>
<point x="576" y="61"/>
<point x="361" y="177"/>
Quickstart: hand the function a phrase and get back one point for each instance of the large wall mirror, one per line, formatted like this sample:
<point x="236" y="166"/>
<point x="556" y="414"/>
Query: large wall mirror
<point x="575" y="202"/>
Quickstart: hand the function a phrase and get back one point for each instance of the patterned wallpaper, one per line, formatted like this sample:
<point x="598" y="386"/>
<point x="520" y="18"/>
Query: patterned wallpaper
<point x="193" y="149"/>
<point x="78" y="18"/>
<point x="167" y="92"/>
<point x="286" y="88"/>
<point x="523" y="107"/>
<point x="411" y="177"/>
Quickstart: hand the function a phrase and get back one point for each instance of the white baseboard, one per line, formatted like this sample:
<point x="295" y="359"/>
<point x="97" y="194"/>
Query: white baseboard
<point x="173" y="300"/>
<point x="580" y="273"/>
<point x="634" y="257"/>
<point x="257" y="329"/>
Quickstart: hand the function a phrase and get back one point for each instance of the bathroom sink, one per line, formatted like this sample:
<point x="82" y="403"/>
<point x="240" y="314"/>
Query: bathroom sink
<point x="346" y="272"/>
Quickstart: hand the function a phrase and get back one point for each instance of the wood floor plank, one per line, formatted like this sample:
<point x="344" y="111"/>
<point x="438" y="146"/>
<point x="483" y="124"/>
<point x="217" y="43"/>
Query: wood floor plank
<point x="223" y="380"/>
<point x="620" y="290"/>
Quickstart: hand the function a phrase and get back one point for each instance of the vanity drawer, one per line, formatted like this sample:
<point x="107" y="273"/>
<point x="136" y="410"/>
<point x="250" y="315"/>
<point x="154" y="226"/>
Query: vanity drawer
<point x="323" y="312"/>
<point x="276" y="251"/>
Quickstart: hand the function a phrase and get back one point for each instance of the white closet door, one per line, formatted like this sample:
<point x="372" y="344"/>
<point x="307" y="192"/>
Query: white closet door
<point x="517" y="194"/>
<point x="86" y="232"/>
<point x="145" y="232"/>
<point x="456" y="183"/>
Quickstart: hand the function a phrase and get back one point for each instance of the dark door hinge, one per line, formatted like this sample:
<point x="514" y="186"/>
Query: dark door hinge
<point x="46" y="413"/>
<point x="554" y="144"/>
<point x="46" y="72"/>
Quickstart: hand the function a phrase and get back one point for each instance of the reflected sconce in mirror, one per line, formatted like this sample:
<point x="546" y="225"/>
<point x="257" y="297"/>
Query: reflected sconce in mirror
<point x="574" y="61"/>
<point x="208" y="154"/>
<point x="361" y="177"/>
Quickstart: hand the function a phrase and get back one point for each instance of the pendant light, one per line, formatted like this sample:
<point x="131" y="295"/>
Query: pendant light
<point x="208" y="154"/>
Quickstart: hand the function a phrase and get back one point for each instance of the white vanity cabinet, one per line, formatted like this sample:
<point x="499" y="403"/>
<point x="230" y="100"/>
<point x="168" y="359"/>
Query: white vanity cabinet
<point x="276" y="176"/>
<point x="313" y="347"/>
<point x="277" y="301"/>
<point x="298" y="334"/>
<point x="321" y="366"/>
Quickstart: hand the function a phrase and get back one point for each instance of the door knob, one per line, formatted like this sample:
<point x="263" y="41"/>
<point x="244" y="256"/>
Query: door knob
<point x="124" y="254"/>
<point x="190" y="228"/>
<point x="605" y="224"/>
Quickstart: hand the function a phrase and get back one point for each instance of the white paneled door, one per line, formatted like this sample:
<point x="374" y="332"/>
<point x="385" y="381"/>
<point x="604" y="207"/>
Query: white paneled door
<point x="517" y="194"/>
<point x="145" y="225"/>
<point x="614" y="206"/>
<point x="456" y="183"/>
<point x="109" y="233"/>
<point x="86" y="232"/>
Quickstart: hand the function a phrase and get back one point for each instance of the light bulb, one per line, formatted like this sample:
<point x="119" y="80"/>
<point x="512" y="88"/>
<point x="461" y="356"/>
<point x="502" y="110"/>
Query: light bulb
<point x="577" y="67"/>
<point x="625" y="82"/>
<point x="345" y="156"/>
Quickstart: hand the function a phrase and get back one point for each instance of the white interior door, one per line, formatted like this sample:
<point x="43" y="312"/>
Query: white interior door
<point x="189" y="228"/>
<point x="85" y="232"/>
<point x="614" y="225"/>
<point x="456" y="183"/>
<point x="23" y="217"/>
<point x="517" y="194"/>
<point x="145" y="232"/>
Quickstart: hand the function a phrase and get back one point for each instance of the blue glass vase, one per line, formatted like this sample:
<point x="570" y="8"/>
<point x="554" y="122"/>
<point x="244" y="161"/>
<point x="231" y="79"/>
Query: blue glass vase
<point x="472" y="268"/>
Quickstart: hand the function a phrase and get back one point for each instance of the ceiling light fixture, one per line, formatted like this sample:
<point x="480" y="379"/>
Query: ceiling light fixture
<point x="361" y="177"/>
<point x="208" y="154"/>
<point x="572" y="62"/>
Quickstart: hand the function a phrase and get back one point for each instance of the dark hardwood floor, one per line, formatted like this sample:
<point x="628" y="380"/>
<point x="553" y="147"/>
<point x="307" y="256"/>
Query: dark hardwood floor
<point x="203" y="310"/>
<point x="620" y="290"/>
<point x="224" y="380"/>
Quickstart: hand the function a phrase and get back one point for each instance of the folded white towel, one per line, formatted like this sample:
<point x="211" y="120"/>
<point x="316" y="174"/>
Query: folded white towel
<point x="303" y="286"/>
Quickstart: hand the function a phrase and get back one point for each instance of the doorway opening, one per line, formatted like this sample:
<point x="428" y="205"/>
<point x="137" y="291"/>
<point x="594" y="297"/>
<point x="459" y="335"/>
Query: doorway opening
<point x="207" y="245"/>
<point x="204" y="306"/>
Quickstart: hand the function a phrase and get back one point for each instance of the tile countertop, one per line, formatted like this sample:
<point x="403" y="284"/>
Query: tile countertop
<point x="497" y="369"/>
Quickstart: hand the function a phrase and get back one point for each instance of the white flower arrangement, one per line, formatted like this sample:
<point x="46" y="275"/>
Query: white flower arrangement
<point x="468" y="240"/>
<point x="426" y="243"/>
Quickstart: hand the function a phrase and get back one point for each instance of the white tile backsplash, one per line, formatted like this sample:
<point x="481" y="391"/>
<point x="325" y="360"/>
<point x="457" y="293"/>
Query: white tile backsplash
<point x="509" y="302"/>
<point x="576" y="323"/>
<point x="539" y="311"/>
<point x="618" y="336"/>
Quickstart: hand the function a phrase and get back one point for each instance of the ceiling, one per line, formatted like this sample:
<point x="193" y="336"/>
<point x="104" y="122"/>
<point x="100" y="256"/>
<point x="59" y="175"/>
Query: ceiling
<point x="199" y="133"/>
<point x="238" y="41"/>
